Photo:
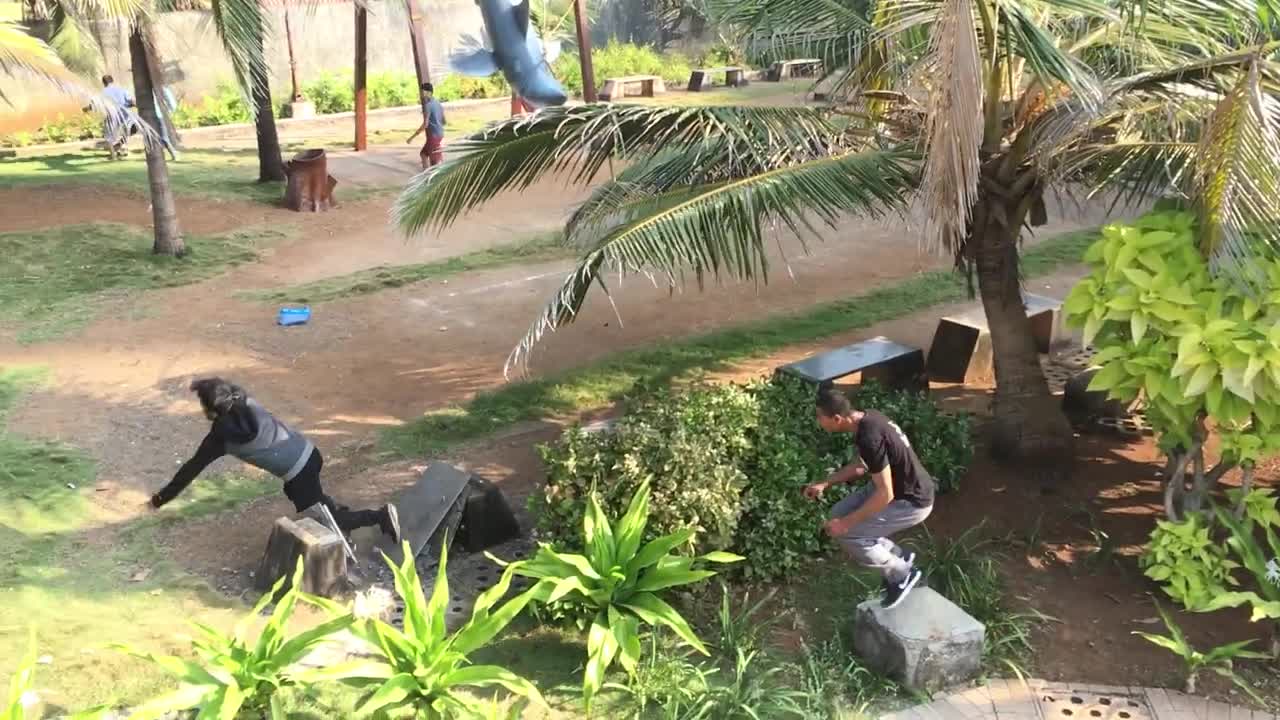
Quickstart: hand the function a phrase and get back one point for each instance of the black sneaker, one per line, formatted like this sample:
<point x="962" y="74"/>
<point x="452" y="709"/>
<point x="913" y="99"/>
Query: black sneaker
<point x="391" y="523"/>
<point x="897" y="592"/>
<point x="908" y="557"/>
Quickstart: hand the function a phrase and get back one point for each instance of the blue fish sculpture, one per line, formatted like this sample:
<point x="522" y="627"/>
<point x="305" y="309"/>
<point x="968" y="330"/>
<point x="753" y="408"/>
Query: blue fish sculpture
<point x="517" y="52"/>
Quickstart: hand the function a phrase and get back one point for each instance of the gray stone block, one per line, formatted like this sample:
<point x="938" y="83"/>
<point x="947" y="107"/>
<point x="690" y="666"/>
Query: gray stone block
<point x="324" y="559"/>
<point x="926" y="643"/>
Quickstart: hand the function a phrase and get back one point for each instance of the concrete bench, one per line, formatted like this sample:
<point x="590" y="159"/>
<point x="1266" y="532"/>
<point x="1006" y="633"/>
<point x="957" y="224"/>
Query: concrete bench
<point x="880" y="359"/>
<point x="701" y="78"/>
<point x="650" y="85"/>
<point x="786" y="69"/>
<point x="961" y="347"/>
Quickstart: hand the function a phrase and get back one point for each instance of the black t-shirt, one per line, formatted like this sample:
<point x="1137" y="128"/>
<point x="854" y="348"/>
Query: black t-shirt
<point x="882" y="443"/>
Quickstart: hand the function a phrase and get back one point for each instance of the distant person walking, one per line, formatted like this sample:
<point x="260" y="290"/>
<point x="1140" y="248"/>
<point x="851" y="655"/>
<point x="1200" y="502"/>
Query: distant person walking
<point x="119" y="122"/>
<point x="170" y="106"/>
<point x="433" y="123"/>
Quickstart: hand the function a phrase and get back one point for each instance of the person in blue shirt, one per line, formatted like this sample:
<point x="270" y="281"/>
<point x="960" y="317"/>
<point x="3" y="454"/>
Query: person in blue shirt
<point x="118" y="123"/>
<point x="433" y="123"/>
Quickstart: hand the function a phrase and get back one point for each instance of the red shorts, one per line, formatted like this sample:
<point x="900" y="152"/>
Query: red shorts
<point x="433" y="152"/>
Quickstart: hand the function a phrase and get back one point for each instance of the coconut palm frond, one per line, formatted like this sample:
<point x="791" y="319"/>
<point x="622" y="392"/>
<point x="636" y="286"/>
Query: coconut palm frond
<point x="580" y="140"/>
<point x="1237" y="177"/>
<point x="1045" y="59"/>
<point x="1136" y="171"/>
<point x="716" y="229"/>
<point x="74" y="41"/>
<point x="244" y="28"/>
<point x="954" y="129"/>
<point x="1205" y="73"/>
<point x="24" y="54"/>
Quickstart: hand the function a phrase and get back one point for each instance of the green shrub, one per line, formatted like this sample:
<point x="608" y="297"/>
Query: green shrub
<point x="224" y="107"/>
<point x="687" y="445"/>
<point x="22" y="138"/>
<point x="331" y="93"/>
<point x="389" y="89"/>
<point x="462" y="87"/>
<point x="728" y="462"/>
<point x="620" y="59"/>
<point x="1190" y="564"/>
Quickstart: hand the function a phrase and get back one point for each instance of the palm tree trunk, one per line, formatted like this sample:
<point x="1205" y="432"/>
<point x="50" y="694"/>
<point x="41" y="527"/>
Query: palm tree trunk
<point x="1029" y="426"/>
<point x="270" y="162"/>
<point x="164" y="213"/>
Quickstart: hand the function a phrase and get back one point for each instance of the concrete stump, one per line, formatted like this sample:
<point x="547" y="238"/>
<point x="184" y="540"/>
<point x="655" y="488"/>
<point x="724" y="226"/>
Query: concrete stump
<point x="324" y="561"/>
<point x="926" y="643"/>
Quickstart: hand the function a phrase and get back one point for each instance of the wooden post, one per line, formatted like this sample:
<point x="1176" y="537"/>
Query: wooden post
<point x="293" y="63"/>
<point x="420" y="64"/>
<point x="362" y="67"/>
<point x="584" y="52"/>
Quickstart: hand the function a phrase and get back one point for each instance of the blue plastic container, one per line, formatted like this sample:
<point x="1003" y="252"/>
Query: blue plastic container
<point x="294" y="316"/>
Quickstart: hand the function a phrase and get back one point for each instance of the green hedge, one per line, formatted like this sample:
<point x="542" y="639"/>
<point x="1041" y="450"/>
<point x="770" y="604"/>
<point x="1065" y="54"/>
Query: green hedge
<point x="729" y="462"/>
<point x="619" y="60"/>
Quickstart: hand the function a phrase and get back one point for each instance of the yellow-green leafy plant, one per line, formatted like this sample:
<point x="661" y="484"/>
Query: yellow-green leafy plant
<point x="614" y="586"/>
<point x="23" y="702"/>
<point x="1218" y="660"/>
<point x="235" y="673"/>
<point x="421" y="667"/>
<point x="1201" y="350"/>
<point x="1188" y="561"/>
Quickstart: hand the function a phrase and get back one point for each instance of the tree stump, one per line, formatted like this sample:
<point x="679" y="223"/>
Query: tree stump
<point x="324" y="561"/>
<point x="310" y="186"/>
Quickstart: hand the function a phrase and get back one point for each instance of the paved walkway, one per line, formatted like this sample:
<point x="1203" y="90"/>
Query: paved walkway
<point x="1042" y="700"/>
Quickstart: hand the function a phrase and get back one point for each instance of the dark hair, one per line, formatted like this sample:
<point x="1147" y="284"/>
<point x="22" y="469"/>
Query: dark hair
<point x="218" y="395"/>
<point x="107" y="79"/>
<point x="833" y="403"/>
<point x="429" y="87"/>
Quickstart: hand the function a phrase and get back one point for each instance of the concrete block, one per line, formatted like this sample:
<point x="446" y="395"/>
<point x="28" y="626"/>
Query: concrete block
<point x="324" y="559"/>
<point x="926" y="643"/>
<point x="429" y="509"/>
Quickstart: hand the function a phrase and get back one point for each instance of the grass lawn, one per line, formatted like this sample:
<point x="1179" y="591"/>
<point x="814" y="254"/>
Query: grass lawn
<point x="612" y="379"/>
<point x="68" y="572"/>
<point x="543" y="248"/>
<point x="53" y="281"/>
<point x="202" y="173"/>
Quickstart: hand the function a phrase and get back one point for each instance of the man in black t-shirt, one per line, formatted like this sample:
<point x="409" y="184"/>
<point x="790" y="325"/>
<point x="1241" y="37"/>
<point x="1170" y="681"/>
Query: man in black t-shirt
<point x="899" y="496"/>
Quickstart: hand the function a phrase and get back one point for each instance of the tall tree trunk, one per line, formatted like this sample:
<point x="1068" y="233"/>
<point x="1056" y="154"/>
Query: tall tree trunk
<point x="1029" y="426"/>
<point x="270" y="162"/>
<point x="164" y="213"/>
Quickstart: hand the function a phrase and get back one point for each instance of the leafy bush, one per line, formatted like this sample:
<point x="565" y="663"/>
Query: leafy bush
<point x="463" y="87"/>
<point x="224" y="107"/>
<point x="619" y="59"/>
<point x="1202" y="352"/>
<point x="84" y="126"/>
<point x="1189" y="563"/>
<point x="236" y="673"/>
<point x="687" y="446"/>
<point x="614" y="587"/>
<point x="422" y="667"/>
<point x="331" y="93"/>
<point x="728" y="462"/>
<point x="390" y="89"/>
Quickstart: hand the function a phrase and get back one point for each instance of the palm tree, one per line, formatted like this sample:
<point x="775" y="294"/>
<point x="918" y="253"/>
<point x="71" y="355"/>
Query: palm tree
<point x="971" y="109"/>
<point x="24" y="54"/>
<point x="243" y="28"/>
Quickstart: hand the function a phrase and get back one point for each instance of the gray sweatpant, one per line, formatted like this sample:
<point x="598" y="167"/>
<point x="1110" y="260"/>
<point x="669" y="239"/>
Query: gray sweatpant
<point x="868" y="542"/>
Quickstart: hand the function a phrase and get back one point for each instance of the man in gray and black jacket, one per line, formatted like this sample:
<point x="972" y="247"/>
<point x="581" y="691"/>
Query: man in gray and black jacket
<point x="244" y="429"/>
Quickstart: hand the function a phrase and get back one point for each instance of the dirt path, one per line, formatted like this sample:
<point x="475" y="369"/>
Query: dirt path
<point x="365" y="363"/>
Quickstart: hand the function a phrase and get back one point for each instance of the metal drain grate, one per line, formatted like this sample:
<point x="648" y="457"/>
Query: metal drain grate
<point x="1060" y="368"/>
<point x="1093" y="706"/>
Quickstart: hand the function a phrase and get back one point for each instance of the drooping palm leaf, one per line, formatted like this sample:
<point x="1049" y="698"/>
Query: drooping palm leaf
<point x="954" y="129"/>
<point x="717" y="229"/>
<point x="578" y="141"/>
<point x="21" y="53"/>
<point x="1136" y="171"/>
<point x="1046" y="61"/>
<point x="1237" y="174"/>
<point x="244" y="28"/>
